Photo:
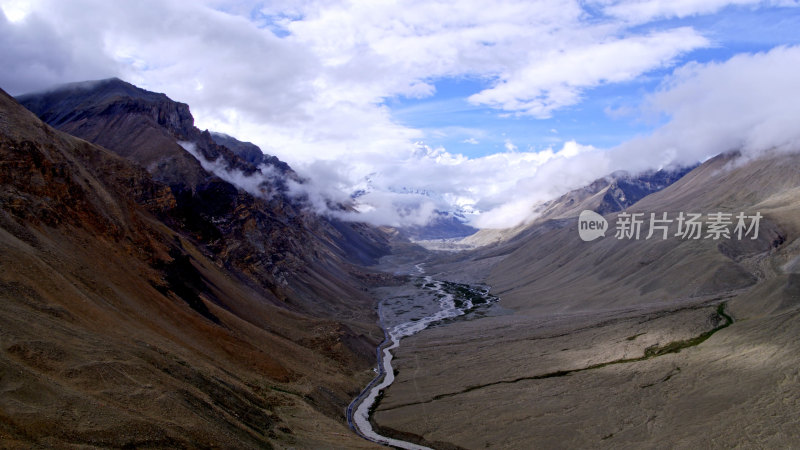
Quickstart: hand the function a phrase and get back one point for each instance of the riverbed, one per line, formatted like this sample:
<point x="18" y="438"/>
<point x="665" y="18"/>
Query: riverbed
<point x="433" y="302"/>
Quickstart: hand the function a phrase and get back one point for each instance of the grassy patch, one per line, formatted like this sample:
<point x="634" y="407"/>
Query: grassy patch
<point x="464" y="294"/>
<point x="677" y="346"/>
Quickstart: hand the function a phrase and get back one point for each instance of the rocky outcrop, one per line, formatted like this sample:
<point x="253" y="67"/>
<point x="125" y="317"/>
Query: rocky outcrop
<point x="306" y="261"/>
<point x="250" y="152"/>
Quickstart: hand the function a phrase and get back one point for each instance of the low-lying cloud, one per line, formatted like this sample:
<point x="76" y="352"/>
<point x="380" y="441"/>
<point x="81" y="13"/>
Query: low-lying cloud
<point x="259" y="184"/>
<point x="493" y="191"/>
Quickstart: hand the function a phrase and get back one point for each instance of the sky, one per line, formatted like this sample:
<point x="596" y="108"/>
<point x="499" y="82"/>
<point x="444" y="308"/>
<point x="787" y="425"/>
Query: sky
<point x="487" y="108"/>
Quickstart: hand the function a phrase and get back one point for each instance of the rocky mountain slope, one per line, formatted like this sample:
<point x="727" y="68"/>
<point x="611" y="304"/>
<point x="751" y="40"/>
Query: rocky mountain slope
<point x="629" y="270"/>
<point x="610" y="194"/>
<point x="625" y="343"/>
<point x="167" y="307"/>
<point x="236" y="205"/>
<point x="614" y="192"/>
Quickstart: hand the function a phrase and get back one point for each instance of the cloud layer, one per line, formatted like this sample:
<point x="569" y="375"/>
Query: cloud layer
<point x="308" y="81"/>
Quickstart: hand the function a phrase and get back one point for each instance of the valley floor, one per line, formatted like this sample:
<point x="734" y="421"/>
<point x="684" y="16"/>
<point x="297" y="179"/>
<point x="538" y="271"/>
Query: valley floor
<point x="680" y="375"/>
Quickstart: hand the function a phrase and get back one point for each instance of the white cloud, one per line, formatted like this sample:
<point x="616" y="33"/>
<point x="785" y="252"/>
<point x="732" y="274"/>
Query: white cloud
<point x="16" y="10"/>
<point x="641" y="11"/>
<point x="36" y="55"/>
<point x="259" y="184"/>
<point x="496" y="190"/>
<point x="747" y="103"/>
<point x="557" y="79"/>
<point x="313" y="93"/>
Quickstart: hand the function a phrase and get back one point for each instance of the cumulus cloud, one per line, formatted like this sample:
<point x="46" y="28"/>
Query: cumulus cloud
<point x="36" y="55"/>
<point x="493" y="191"/>
<point x="300" y="77"/>
<point x="746" y="103"/>
<point x="220" y="63"/>
<point x="556" y="79"/>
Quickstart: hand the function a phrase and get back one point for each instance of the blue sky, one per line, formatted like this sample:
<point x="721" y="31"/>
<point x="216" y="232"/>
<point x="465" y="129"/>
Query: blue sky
<point x="450" y="121"/>
<point x="608" y="114"/>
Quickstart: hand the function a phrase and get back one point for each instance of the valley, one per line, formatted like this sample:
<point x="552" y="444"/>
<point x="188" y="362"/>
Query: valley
<point x="619" y="343"/>
<point x="166" y="286"/>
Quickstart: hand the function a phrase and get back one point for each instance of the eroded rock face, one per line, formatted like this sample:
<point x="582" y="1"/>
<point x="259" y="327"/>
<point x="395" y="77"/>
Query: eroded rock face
<point x="164" y="306"/>
<point x="266" y="235"/>
<point x="619" y="191"/>
<point x="624" y="190"/>
<point x="50" y="187"/>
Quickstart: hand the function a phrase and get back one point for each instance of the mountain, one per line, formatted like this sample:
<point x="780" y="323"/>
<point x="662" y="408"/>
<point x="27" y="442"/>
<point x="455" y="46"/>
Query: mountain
<point x="611" y="193"/>
<point x="145" y="301"/>
<point x="261" y="231"/>
<point x="634" y="342"/>
<point x="250" y="152"/>
<point x="442" y="224"/>
<point x="624" y="271"/>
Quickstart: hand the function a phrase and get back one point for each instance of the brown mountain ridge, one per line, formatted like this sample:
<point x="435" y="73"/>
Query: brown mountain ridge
<point x="126" y="322"/>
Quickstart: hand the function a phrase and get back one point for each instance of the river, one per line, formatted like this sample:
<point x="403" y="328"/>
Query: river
<point x="401" y="317"/>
